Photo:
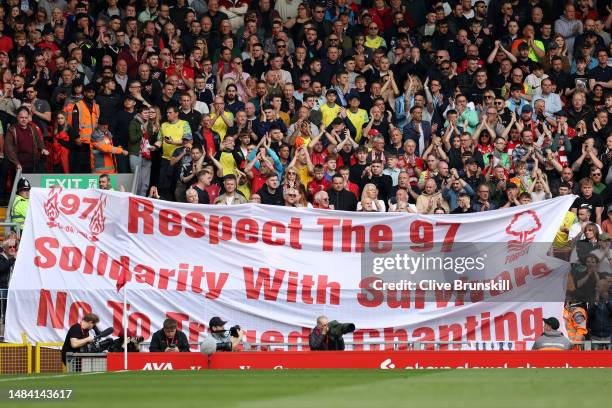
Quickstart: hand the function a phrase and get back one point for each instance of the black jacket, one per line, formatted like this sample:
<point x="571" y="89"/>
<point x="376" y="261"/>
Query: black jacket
<point x="269" y="198"/>
<point x="5" y="270"/>
<point x="600" y="319"/>
<point x="342" y="200"/>
<point x="318" y="341"/>
<point x="383" y="183"/>
<point x="159" y="341"/>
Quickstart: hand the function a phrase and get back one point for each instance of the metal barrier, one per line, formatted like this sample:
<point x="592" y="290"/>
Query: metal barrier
<point x="85" y="362"/>
<point x="405" y="345"/>
<point x="373" y="345"/>
<point x="16" y="358"/>
<point x="48" y="357"/>
<point x="144" y="346"/>
<point x="425" y="345"/>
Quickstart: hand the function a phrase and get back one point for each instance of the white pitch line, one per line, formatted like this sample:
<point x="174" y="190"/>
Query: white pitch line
<point x="42" y="377"/>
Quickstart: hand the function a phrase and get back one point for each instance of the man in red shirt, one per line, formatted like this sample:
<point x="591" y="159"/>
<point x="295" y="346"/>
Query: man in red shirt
<point x="410" y="162"/>
<point x="318" y="183"/>
<point x="24" y="144"/>
<point x="349" y="185"/>
<point x="6" y="42"/>
<point x="183" y="72"/>
<point x="134" y="56"/>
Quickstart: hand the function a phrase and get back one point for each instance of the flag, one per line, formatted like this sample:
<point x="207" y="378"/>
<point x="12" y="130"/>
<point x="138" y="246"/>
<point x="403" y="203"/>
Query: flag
<point x="122" y="280"/>
<point x="124" y="272"/>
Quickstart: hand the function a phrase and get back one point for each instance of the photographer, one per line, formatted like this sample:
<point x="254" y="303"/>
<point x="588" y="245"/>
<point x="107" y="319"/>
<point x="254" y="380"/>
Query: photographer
<point x="78" y="334"/>
<point x="221" y="339"/>
<point x="328" y="335"/>
<point x="169" y="339"/>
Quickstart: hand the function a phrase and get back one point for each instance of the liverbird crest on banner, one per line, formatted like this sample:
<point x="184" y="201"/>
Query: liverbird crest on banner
<point x="96" y="224"/>
<point x="51" y="205"/>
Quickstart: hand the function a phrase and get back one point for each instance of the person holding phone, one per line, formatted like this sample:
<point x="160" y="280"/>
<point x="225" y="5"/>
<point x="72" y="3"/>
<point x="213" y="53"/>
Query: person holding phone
<point x="170" y="138"/>
<point x="169" y="339"/>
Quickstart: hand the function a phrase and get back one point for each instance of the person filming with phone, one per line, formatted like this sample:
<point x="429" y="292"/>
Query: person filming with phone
<point x="169" y="339"/>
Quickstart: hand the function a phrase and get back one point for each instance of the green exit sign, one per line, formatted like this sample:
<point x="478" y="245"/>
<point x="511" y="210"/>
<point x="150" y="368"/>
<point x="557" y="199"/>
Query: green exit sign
<point x="74" y="181"/>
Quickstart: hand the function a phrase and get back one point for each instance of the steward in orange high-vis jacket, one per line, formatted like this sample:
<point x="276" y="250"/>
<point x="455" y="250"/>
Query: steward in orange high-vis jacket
<point x="102" y="150"/>
<point x="575" y="322"/>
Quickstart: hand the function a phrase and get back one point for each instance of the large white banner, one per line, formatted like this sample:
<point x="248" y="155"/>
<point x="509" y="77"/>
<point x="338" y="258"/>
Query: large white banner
<point x="274" y="270"/>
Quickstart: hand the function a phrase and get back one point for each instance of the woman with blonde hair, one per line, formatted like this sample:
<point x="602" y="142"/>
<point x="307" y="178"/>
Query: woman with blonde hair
<point x="291" y="179"/>
<point x="155" y="118"/>
<point x="63" y="137"/>
<point x="561" y="44"/>
<point x="370" y="194"/>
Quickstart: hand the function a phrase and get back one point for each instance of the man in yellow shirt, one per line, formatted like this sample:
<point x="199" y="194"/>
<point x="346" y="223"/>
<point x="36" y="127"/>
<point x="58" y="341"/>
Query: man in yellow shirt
<point x="357" y="116"/>
<point x="330" y="110"/>
<point x="562" y="247"/>
<point x="170" y="138"/>
<point x="220" y="118"/>
<point x="228" y="159"/>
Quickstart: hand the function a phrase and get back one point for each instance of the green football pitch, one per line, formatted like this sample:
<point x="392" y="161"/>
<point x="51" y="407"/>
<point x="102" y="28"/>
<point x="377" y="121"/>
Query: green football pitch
<point x="326" y="388"/>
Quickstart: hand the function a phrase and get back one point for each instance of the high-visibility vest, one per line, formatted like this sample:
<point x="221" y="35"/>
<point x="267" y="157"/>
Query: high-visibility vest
<point x="103" y="155"/>
<point x="373" y="43"/>
<point x="19" y="210"/>
<point x="88" y="120"/>
<point x="575" y="329"/>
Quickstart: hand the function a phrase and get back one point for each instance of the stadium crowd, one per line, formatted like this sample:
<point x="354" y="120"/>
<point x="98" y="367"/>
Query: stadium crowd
<point x="419" y="106"/>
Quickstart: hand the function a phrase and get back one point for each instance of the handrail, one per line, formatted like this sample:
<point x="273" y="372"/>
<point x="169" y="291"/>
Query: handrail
<point x="11" y="201"/>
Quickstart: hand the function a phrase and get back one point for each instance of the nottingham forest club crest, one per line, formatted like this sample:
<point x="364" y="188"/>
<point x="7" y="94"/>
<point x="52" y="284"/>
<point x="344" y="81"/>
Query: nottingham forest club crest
<point x="522" y="227"/>
<point x="71" y="205"/>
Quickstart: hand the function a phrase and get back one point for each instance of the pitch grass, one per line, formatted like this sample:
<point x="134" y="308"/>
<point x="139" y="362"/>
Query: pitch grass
<point x="499" y="388"/>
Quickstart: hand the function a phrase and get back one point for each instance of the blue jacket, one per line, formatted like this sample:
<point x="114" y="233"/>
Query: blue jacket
<point x="410" y="133"/>
<point x="451" y="195"/>
<point x="278" y="166"/>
